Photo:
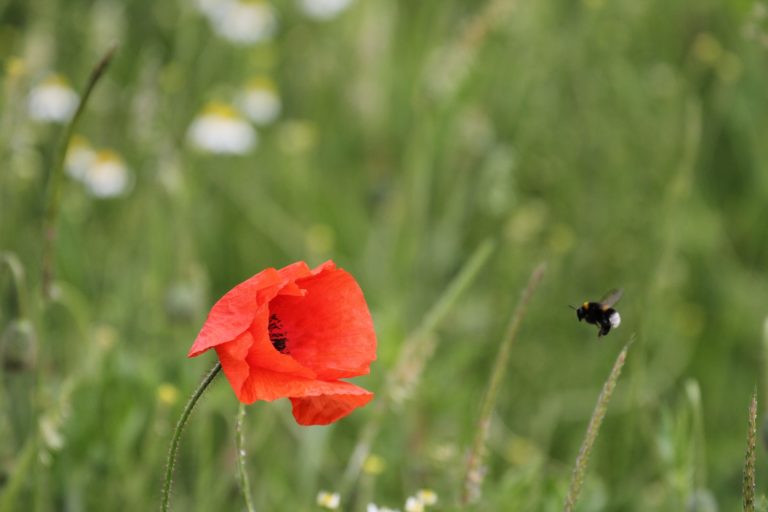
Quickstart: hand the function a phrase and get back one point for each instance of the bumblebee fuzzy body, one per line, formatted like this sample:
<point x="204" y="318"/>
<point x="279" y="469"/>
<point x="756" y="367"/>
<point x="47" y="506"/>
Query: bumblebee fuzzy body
<point x="602" y="314"/>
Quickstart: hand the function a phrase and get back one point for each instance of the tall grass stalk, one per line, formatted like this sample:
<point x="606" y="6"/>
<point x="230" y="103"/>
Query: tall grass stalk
<point x="765" y="359"/>
<point x="170" y="465"/>
<point x="22" y="471"/>
<point x="580" y="468"/>
<point x="473" y="478"/>
<point x="56" y="176"/>
<point x="461" y="54"/>
<point x="16" y="270"/>
<point x="748" y="485"/>
<point x="242" y="474"/>
<point x="699" y="454"/>
<point x="25" y="460"/>
<point x="417" y="349"/>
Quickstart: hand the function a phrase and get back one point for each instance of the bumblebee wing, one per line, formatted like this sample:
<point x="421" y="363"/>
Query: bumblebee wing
<point x="611" y="298"/>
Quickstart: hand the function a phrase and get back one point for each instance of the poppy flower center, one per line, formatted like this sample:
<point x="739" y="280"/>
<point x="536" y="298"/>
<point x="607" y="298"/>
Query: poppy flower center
<point x="277" y="334"/>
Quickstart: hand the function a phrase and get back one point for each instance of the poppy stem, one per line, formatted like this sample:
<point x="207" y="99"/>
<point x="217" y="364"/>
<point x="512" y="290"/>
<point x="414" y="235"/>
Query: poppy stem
<point x="177" y="434"/>
<point x="242" y="475"/>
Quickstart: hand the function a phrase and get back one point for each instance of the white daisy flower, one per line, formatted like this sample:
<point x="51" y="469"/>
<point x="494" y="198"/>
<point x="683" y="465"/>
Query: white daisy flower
<point x="80" y="156"/>
<point x="107" y="176"/>
<point x="427" y="496"/>
<point x="372" y="507"/>
<point x="323" y="9"/>
<point x="414" y="504"/>
<point x="53" y="101"/>
<point x="220" y="129"/>
<point x="244" y="22"/>
<point x="260" y="101"/>
<point x="212" y="8"/>
<point x="329" y="500"/>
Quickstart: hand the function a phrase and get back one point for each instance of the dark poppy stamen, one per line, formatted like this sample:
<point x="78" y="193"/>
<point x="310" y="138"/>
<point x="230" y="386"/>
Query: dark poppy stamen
<point x="277" y="334"/>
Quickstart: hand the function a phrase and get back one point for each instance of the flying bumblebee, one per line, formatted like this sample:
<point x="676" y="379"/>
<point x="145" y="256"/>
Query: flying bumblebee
<point x="602" y="314"/>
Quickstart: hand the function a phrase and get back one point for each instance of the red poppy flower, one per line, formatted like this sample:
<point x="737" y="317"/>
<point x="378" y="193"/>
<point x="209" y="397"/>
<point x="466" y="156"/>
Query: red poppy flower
<point x="294" y="333"/>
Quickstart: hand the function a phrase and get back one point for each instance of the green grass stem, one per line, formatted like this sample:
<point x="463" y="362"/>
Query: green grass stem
<point x="22" y="472"/>
<point x="414" y="354"/>
<point x="56" y="176"/>
<point x="16" y="270"/>
<point x="580" y="468"/>
<point x="473" y="477"/>
<point x="748" y="487"/>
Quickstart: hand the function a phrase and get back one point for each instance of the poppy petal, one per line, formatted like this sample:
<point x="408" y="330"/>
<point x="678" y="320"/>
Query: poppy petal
<point x="295" y="271"/>
<point x="330" y="406"/>
<point x="262" y="355"/>
<point x="264" y="384"/>
<point x="328" y="265"/>
<point x="329" y="329"/>
<point x="250" y="355"/>
<point x="232" y="358"/>
<point x="234" y="312"/>
<point x="293" y="333"/>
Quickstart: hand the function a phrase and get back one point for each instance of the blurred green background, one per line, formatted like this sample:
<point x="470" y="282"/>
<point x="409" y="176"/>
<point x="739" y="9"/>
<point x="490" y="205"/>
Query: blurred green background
<point x="621" y="142"/>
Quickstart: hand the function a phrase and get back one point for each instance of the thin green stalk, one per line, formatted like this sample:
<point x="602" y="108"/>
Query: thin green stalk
<point x="456" y="289"/>
<point x="177" y="434"/>
<point x="765" y="359"/>
<point x="580" y="469"/>
<point x="56" y="176"/>
<point x="414" y="354"/>
<point x="473" y="478"/>
<point x="22" y="473"/>
<point x="242" y="475"/>
<point x="699" y="451"/>
<point x="16" y="269"/>
<point x="282" y="229"/>
<point x="748" y="486"/>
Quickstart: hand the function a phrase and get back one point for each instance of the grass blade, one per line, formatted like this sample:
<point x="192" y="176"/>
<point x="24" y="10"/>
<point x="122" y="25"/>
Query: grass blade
<point x="16" y="271"/>
<point x="22" y="474"/>
<point x="580" y="469"/>
<point x="474" y="475"/>
<point x="56" y="176"/>
<point x="748" y="487"/>
<point x="416" y="351"/>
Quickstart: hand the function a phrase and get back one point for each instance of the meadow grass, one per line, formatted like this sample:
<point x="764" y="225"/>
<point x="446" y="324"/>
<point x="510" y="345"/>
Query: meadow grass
<point x="436" y="150"/>
<point x="580" y="468"/>
<point x="475" y="473"/>
<point x="748" y="487"/>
